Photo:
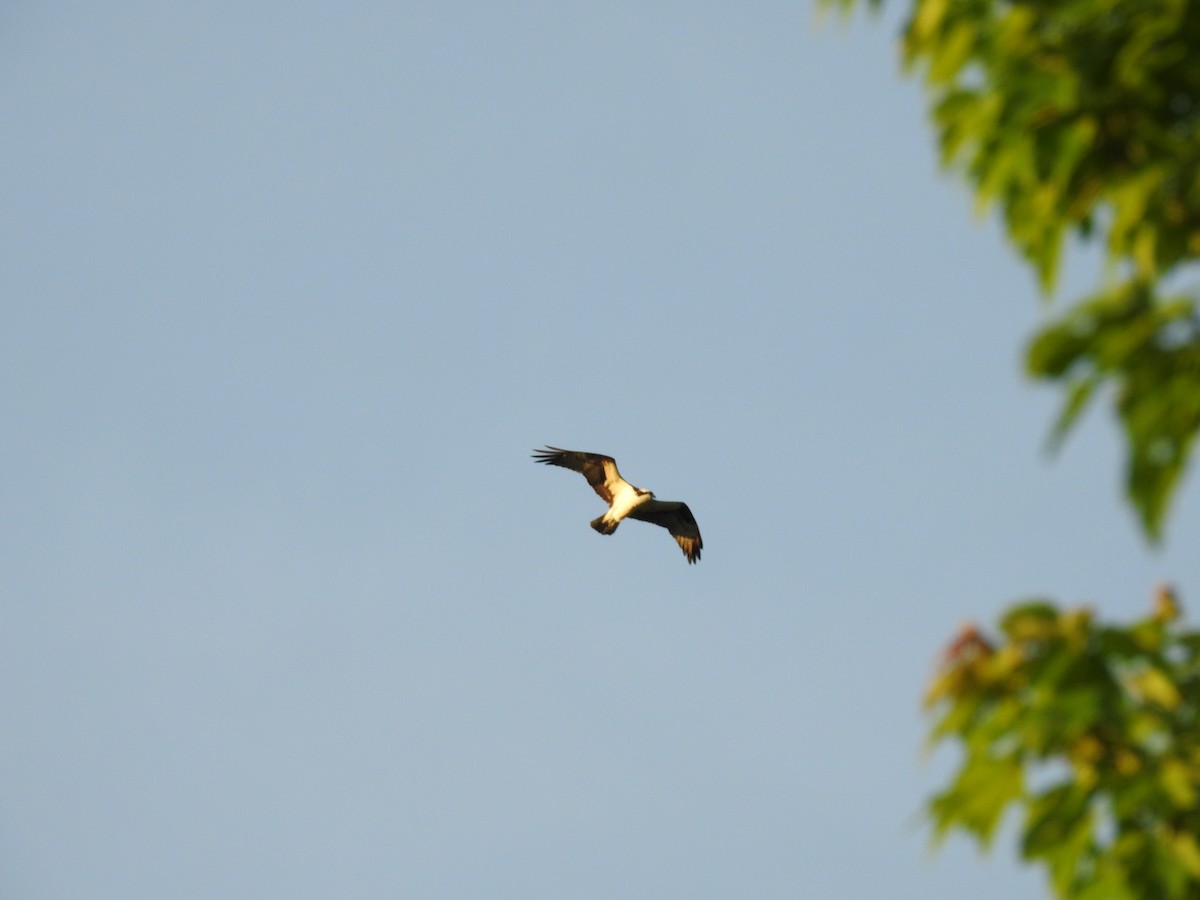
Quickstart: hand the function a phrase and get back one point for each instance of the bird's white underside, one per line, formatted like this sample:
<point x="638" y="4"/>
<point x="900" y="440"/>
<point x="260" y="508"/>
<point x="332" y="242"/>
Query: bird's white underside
<point x="625" y="499"/>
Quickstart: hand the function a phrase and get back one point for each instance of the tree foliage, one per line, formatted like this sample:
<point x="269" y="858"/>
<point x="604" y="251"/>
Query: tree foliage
<point x="1090" y="731"/>
<point x="1082" y="117"/>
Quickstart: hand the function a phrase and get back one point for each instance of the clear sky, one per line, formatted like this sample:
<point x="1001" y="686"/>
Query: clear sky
<point x="291" y="290"/>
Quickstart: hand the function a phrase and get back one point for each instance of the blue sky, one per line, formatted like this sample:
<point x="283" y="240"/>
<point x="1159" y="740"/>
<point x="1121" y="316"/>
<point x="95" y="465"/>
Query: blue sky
<point x="292" y="290"/>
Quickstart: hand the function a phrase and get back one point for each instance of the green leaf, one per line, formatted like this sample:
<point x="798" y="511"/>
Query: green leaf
<point x="1179" y="781"/>
<point x="1078" y="395"/>
<point x="1035" y="620"/>
<point x="1052" y="819"/>
<point x="977" y="799"/>
<point x="1107" y="882"/>
<point x="1186" y="851"/>
<point x="1153" y="686"/>
<point x="928" y="18"/>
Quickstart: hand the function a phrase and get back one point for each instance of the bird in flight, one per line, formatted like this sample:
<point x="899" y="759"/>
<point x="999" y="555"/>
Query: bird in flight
<point x="626" y="501"/>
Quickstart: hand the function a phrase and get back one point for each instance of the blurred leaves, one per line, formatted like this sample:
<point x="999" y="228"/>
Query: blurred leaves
<point x="1091" y="731"/>
<point x="1082" y="117"/>
<point x="1149" y="349"/>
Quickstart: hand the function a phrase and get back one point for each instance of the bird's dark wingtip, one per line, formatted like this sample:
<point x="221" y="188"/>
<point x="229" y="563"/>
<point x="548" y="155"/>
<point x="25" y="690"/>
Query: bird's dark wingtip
<point x="546" y="455"/>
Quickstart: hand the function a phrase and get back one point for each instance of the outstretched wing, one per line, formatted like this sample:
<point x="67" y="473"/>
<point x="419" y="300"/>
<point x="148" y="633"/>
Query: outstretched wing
<point x="677" y="519"/>
<point x="600" y="470"/>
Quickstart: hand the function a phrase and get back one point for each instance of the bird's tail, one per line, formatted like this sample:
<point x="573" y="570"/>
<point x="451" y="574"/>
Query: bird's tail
<point x="605" y="527"/>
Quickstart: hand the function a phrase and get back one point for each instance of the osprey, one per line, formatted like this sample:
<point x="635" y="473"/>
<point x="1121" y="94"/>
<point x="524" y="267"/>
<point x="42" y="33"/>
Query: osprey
<point x="626" y="501"/>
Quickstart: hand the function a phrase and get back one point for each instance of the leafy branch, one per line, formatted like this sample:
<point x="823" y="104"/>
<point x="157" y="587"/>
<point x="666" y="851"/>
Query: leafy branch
<point x="1082" y="118"/>
<point x="1091" y="731"/>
